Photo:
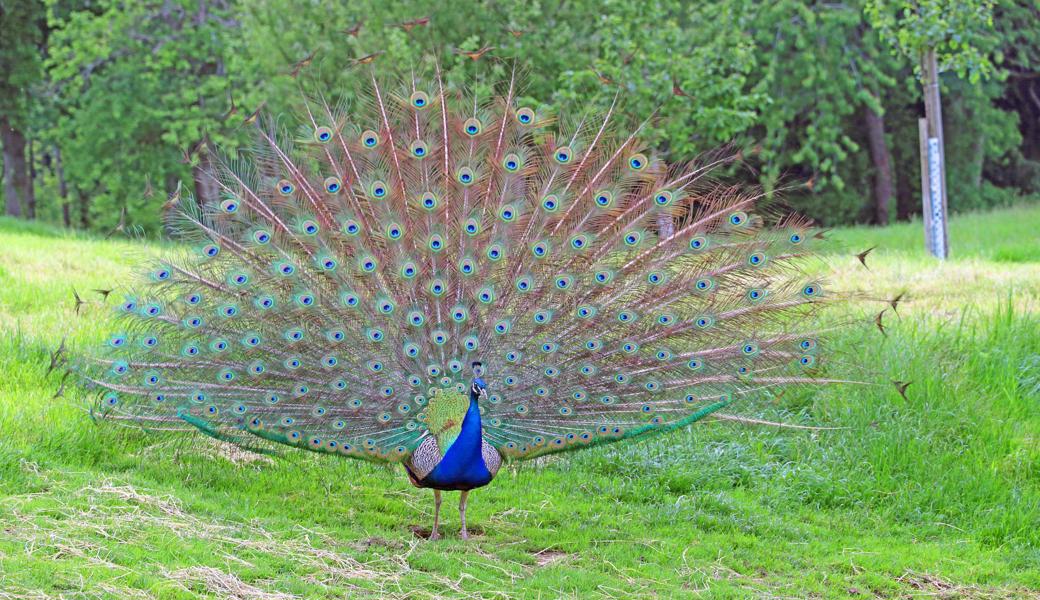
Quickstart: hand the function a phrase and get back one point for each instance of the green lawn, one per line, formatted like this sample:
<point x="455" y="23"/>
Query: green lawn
<point x="934" y="496"/>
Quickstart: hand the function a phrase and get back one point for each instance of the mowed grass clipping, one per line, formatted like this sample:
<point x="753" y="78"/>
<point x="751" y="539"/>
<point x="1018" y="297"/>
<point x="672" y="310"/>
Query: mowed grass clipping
<point x="937" y="495"/>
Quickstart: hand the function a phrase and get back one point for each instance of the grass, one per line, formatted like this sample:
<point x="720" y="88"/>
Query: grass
<point x="937" y="495"/>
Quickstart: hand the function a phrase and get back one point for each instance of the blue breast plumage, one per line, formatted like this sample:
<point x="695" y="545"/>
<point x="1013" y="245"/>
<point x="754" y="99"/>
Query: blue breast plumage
<point x="469" y="462"/>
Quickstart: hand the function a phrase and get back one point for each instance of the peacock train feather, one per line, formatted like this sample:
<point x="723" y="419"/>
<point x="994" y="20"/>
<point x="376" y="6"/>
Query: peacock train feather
<point x="366" y="279"/>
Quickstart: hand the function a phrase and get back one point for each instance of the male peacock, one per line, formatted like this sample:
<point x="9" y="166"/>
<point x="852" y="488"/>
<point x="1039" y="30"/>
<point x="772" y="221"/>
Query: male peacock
<point x="442" y="280"/>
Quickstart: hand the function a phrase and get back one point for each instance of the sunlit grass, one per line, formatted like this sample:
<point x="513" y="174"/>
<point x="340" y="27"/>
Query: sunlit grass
<point x="936" y="494"/>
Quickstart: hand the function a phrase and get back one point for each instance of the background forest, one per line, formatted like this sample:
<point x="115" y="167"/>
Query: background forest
<point x="106" y="105"/>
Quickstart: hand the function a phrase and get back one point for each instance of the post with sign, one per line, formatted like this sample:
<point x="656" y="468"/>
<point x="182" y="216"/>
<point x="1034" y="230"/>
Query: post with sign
<point x="933" y="164"/>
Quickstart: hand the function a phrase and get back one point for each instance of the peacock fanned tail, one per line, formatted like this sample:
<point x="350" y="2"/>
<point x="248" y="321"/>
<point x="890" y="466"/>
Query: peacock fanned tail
<point x="356" y="266"/>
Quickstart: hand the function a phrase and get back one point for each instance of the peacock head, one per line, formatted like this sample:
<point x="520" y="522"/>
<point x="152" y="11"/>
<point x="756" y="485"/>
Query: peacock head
<point x="478" y="389"/>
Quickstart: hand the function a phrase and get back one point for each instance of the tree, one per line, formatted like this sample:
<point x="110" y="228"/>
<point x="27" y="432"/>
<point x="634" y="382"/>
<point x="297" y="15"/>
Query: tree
<point x="827" y="79"/>
<point x="133" y="95"/>
<point x="140" y="89"/>
<point x="575" y="58"/>
<point x="19" y="68"/>
<point x="940" y="35"/>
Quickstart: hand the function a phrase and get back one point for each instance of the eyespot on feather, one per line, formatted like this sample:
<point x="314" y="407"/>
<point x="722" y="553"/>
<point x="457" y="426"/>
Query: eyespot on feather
<point x="419" y="100"/>
<point x="525" y="116"/>
<point x="323" y="134"/>
<point x="419" y="149"/>
<point x="369" y="139"/>
<point x="472" y="126"/>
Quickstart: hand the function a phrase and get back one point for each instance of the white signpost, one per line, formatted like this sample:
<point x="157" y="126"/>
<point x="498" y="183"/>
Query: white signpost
<point x="937" y="237"/>
<point x="933" y="194"/>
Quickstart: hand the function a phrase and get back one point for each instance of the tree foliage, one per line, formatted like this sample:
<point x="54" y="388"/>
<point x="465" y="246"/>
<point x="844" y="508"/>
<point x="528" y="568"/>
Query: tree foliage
<point x="131" y="95"/>
<point x="959" y="32"/>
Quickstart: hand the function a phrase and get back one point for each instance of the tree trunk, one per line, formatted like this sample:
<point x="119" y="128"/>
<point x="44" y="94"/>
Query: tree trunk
<point x="30" y="188"/>
<point x="978" y="158"/>
<point x="907" y="203"/>
<point x="63" y="188"/>
<point x="15" y="174"/>
<point x="84" y="209"/>
<point x="882" y="165"/>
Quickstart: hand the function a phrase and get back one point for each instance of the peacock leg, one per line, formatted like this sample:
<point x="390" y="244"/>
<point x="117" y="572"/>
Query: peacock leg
<point x="436" y="514"/>
<point x="462" y="514"/>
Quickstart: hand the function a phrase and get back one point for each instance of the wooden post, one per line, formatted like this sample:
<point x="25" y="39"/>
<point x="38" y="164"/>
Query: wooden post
<point x="933" y="161"/>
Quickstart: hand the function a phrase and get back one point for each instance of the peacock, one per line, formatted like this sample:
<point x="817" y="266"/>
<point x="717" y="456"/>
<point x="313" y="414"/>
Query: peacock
<point x="451" y="281"/>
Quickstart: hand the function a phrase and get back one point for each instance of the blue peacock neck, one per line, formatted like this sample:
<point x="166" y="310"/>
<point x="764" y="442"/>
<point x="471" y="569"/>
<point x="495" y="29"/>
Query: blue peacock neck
<point x="471" y="425"/>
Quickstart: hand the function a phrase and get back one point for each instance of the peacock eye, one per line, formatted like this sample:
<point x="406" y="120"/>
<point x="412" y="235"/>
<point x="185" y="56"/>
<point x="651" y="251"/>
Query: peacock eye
<point x="511" y="162"/>
<point x="472" y="126"/>
<point x="420" y="99"/>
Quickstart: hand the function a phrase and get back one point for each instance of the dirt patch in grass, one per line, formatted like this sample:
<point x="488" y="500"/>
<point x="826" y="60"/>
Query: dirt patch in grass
<point x="547" y="557"/>
<point x="932" y="586"/>
<point x="423" y="533"/>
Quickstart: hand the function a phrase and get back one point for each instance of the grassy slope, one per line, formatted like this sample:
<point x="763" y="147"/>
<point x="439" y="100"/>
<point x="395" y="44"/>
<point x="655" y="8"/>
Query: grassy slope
<point x="939" y="494"/>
